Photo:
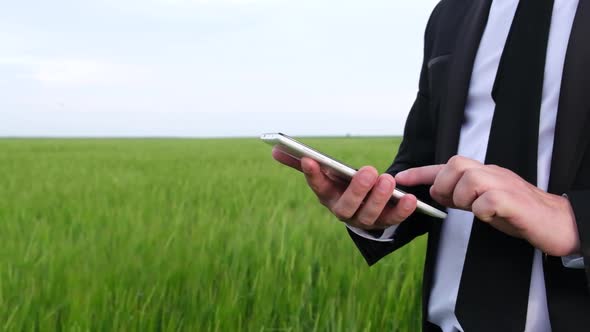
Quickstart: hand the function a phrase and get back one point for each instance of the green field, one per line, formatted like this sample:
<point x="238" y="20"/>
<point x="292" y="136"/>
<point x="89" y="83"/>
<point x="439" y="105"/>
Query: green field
<point x="187" y="235"/>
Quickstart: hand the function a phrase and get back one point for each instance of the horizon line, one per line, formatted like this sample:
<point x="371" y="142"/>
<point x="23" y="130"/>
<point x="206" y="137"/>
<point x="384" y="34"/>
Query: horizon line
<point x="190" y="137"/>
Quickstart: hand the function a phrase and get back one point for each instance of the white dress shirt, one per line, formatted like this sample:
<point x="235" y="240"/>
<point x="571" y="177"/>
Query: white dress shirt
<point x="479" y="111"/>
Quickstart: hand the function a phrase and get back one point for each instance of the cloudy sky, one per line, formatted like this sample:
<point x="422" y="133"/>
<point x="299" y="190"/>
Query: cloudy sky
<point x="208" y="67"/>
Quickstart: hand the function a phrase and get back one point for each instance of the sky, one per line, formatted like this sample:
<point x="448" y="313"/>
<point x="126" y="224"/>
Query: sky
<point x="209" y="68"/>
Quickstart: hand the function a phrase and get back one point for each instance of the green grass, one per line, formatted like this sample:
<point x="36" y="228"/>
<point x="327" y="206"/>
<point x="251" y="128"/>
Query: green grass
<point x="187" y="235"/>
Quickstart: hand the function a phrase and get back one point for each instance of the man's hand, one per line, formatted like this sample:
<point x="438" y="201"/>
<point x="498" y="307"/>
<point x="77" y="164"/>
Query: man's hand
<point x="364" y="203"/>
<point x="503" y="199"/>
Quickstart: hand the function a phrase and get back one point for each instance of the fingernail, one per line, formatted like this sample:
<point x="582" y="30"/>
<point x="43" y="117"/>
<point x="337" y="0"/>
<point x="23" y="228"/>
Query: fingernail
<point x="401" y="174"/>
<point x="366" y="178"/>
<point x="407" y="205"/>
<point x="384" y="186"/>
<point x="305" y="167"/>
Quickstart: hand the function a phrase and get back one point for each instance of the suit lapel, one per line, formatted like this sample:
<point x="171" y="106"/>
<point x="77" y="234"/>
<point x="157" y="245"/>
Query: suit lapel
<point x="452" y="110"/>
<point x="571" y="136"/>
<point x="453" y="105"/>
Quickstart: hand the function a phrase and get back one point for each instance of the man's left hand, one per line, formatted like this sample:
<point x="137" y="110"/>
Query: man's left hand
<point x="503" y="199"/>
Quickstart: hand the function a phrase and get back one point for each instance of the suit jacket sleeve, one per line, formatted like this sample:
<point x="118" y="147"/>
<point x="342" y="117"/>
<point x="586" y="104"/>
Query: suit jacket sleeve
<point x="579" y="200"/>
<point x="417" y="149"/>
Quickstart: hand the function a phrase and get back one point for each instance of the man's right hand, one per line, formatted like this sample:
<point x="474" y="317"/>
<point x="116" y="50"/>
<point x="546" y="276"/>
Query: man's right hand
<point x="363" y="203"/>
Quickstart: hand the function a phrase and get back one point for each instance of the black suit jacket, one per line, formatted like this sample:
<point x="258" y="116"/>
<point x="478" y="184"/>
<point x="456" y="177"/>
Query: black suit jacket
<point x="431" y="136"/>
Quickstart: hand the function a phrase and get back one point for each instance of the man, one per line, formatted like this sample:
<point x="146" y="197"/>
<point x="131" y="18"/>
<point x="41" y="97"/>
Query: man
<point x="497" y="135"/>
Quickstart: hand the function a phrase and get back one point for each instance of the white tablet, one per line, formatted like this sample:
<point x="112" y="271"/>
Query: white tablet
<point x="298" y="150"/>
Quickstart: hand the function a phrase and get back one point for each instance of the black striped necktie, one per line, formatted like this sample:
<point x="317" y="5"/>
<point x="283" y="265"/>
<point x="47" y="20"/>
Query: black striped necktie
<point x="494" y="288"/>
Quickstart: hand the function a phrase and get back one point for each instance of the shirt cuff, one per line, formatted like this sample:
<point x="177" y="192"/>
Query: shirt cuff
<point x="573" y="261"/>
<point x="387" y="235"/>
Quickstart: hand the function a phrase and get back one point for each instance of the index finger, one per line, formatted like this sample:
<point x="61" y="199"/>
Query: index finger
<point x="418" y="175"/>
<point x="286" y="159"/>
<point x="325" y="189"/>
